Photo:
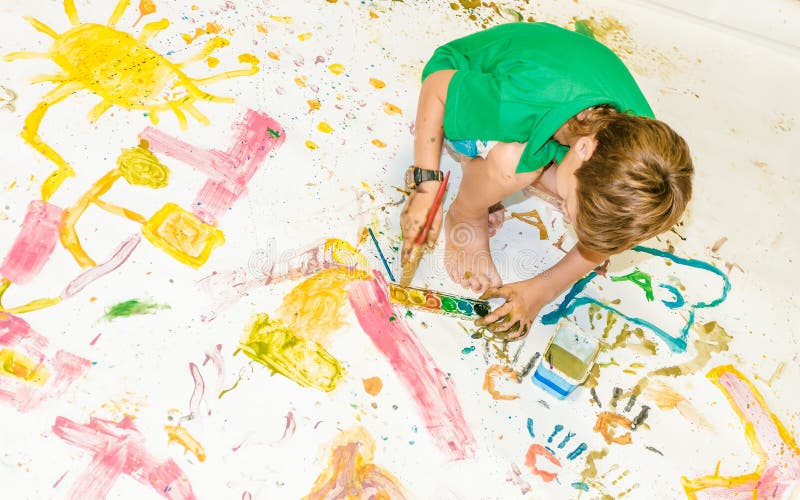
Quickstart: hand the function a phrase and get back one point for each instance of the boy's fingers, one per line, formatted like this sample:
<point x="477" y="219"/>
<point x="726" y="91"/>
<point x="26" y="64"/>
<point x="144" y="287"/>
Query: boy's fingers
<point x="518" y="333"/>
<point x="436" y="226"/>
<point x="508" y="325"/>
<point x="491" y="293"/>
<point x="494" y="315"/>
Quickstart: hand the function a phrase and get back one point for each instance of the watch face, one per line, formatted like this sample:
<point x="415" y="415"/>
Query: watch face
<point x="410" y="178"/>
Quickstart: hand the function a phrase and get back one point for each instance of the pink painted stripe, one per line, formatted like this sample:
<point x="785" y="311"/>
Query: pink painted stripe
<point x="211" y="162"/>
<point x="34" y="243"/>
<point x="118" y="257"/>
<point x="118" y="449"/>
<point x="434" y="393"/>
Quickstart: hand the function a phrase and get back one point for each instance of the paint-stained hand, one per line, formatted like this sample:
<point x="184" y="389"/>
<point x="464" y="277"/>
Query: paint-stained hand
<point x="513" y="319"/>
<point x="412" y="219"/>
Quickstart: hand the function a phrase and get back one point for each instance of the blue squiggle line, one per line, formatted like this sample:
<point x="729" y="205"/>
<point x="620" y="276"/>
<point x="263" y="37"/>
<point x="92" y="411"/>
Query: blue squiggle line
<point x="676" y="344"/>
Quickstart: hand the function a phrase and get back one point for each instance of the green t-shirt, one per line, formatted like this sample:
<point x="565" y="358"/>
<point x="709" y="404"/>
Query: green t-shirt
<point x="519" y="82"/>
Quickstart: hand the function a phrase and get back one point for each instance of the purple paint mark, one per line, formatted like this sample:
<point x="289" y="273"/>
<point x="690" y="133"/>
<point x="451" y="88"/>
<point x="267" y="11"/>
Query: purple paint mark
<point x="55" y="485"/>
<point x="432" y="390"/>
<point x="118" y="257"/>
<point x="198" y="392"/>
<point x="35" y="242"/>
<point x="288" y="431"/>
<point x="317" y="424"/>
<point x="215" y="356"/>
<point x="229" y="171"/>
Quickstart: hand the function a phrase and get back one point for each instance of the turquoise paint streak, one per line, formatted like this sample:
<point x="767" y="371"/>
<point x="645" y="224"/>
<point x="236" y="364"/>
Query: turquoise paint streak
<point x="676" y="344"/>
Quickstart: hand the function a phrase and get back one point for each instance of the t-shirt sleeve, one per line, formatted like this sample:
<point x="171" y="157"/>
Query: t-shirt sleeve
<point x="473" y="105"/>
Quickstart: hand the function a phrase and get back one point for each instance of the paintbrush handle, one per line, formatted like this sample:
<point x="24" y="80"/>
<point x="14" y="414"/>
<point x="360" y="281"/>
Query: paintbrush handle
<point x="437" y="201"/>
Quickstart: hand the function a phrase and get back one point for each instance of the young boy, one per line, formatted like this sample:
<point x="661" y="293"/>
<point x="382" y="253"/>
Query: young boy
<point x="536" y="104"/>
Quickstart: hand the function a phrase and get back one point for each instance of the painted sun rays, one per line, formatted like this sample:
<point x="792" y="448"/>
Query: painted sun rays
<point x="123" y="71"/>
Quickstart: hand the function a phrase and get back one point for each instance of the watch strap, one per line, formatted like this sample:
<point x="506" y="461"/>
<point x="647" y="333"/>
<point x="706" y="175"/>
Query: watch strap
<point x="423" y="175"/>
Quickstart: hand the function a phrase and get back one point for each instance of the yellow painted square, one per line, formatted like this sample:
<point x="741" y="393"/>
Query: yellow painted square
<point x="182" y="235"/>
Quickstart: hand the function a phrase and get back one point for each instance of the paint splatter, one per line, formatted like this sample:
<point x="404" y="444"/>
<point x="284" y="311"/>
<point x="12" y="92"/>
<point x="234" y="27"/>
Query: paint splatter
<point x="372" y="385"/>
<point x="180" y="435"/>
<point x="351" y="472"/>
<point x="532" y="218"/>
<point x="778" y="468"/>
<point x="277" y="347"/>
<point x="535" y="451"/>
<point x="499" y="371"/>
<point x="667" y="398"/>
<point x="433" y="392"/>
<point x="132" y="307"/>
<point x="117" y="258"/>
<point x="198" y="392"/>
<point x="35" y="242"/>
<point x="391" y="109"/>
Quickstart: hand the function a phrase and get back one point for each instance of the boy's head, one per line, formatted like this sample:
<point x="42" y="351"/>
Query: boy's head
<point x="636" y="183"/>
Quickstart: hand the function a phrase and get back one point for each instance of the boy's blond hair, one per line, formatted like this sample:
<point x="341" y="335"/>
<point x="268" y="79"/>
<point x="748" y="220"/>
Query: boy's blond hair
<point x="636" y="184"/>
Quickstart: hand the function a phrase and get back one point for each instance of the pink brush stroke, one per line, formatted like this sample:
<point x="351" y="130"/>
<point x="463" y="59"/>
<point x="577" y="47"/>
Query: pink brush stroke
<point x="118" y="449"/>
<point x="781" y="470"/>
<point x="215" y="356"/>
<point x="65" y="367"/>
<point x="198" y="391"/>
<point x="433" y="392"/>
<point x="228" y="171"/>
<point x="35" y="242"/>
<point x="118" y="257"/>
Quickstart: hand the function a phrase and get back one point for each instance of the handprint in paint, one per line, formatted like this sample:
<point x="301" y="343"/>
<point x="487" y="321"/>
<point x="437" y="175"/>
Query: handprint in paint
<point x="542" y="458"/>
<point x="614" y="426"/>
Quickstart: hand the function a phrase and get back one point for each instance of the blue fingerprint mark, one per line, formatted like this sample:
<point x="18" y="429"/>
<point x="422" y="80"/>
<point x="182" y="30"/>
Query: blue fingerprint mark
<point x="566" y="439"/>
<point x="558" y="428"/>
<point x="676" y="344"/>
<point x="580" y="486"/>
<point x="577" y="451"/>
<point x="677" y="300"/>
<point x="530" y="427"/>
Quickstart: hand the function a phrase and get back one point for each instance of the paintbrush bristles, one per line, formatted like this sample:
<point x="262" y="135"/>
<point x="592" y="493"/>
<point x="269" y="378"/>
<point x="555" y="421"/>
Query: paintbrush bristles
<point x="410" y="266"/>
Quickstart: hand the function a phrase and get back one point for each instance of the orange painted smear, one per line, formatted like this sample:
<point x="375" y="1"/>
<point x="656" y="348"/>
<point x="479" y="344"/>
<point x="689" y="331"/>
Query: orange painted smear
<point x="351" y="473"/>
<point x="533" y="219"/>
<point x="606" y="424"/>
<point x="378" y="84"/>
<point x="179" y="435"/>
<point x="378" y="143"/>
<point x="313" y="105"/>
<point x="499" y="371"/>
<point x="532" y="457"/>
<point x="372" y="385"/>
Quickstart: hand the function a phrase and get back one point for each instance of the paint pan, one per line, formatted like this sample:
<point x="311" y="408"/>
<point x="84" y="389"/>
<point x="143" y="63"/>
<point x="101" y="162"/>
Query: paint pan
<point x="438" y="302"/>
<point x="567" y="360"/>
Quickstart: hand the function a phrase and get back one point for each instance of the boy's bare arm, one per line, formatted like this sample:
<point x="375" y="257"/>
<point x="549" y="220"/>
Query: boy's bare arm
<point x="524" y="299"/>
<point x="428" y="139"/>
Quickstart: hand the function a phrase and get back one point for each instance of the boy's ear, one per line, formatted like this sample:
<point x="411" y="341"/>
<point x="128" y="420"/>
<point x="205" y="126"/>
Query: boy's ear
<point x="585" y="147"/>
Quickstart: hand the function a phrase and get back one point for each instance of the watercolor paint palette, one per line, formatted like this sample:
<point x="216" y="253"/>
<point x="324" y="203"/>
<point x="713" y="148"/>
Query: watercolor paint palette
<point x="438" y="302"/>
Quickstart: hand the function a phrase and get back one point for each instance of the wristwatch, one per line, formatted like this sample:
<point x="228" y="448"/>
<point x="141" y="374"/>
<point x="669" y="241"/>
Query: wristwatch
<point x="416" y="176"/>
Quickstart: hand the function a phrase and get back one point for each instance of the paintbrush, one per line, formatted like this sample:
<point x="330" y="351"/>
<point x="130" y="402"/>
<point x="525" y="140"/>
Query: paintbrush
<point x="410" y="266"/>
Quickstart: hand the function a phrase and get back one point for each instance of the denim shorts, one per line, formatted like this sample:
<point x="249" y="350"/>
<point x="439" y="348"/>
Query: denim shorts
<point x="471" y="148"/>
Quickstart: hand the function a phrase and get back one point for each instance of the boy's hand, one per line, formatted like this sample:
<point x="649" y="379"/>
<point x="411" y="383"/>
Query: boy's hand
<point x="412" y="218"/>
<point x="524" y="300"/>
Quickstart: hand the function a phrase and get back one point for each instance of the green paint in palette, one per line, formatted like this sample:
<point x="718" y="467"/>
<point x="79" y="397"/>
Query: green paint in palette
<point x="438" y="302"/>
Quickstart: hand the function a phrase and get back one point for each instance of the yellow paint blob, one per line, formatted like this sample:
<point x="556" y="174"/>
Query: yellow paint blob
<point x="277" y="347"/>
<point x="120" y="69"/>
<point x="262" y="28"/>
<point x="314" y="105"/>
<point x="315" y="306"/>
<point x="282" y="19"/>
<point x="179" y="435"/>
<point x="17" y="365"/>
<point x="336" y="69"/>
<point x="378" y="84"/>
<point x="304" y="36"/>
<point x="274" y="55"/>
<point x="212" y="62"/>
<point x="325" y="128"/>
<point x="311" y="145"/>
<point x="301" y="81"/>
<point x="373" y="385"/>
<point x="378" y="143"/>
<point x="391" y="109"/>
<point x="182" y="235"/>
